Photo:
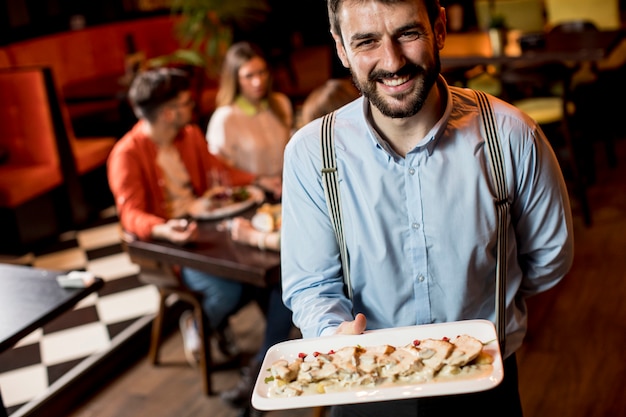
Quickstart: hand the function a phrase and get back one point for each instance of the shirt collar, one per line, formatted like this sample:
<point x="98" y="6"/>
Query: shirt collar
<point x="248" y="108"/>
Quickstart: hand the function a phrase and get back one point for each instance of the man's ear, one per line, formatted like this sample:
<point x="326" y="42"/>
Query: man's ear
<point x="440" y="28"/>
<point x="341" y="51"/>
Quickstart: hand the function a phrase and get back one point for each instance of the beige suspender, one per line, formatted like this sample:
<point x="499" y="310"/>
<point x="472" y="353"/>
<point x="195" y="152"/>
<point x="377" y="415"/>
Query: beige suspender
<point x="498" y="173"/>
<point x="331" y="191"/>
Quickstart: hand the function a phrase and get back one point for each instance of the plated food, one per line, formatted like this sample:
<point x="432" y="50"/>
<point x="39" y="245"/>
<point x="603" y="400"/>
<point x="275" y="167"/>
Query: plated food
<point x="367" y="367"/>
<point x="380" y="365"/>
<point x="268" y="218"/>
<point x="225" y="196"/>
<point x="227" y="201"/>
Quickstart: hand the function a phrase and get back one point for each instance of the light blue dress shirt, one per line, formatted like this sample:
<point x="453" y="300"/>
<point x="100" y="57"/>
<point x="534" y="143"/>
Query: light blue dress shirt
<point x="421" y="230"/>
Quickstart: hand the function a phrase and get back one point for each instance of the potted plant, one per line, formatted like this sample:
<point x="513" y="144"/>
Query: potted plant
<point x="497" y="30"/>
<point x="205" y="30"/>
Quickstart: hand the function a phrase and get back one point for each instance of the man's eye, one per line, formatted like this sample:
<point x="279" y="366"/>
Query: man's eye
<point x="363" y="44"/>
<point x="410" y="36"/>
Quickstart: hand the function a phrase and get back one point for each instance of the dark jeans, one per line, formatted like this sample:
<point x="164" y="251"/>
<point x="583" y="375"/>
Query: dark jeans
<point x="278" y="321"/>
<point x="502" y="401"/>
<point x="223" y="298"/>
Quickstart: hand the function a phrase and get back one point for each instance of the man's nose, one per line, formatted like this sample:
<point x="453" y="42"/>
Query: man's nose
<point x="392" y="58"/>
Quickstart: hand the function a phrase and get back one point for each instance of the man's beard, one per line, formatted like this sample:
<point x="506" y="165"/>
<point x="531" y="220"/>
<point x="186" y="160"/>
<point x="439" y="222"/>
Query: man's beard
<point x="413" y="101"/>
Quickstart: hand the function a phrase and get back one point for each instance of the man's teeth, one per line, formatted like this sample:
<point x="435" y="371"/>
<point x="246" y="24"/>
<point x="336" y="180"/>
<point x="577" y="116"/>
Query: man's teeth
<point x="395" y="81"/>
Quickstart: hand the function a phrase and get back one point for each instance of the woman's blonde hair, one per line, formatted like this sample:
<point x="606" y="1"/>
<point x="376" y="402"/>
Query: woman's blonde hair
<point x="229" y="89"/>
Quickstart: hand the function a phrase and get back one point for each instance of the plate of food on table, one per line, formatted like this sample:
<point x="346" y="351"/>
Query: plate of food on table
<point x="379" y="365"/>
<point x="221" y="201"/>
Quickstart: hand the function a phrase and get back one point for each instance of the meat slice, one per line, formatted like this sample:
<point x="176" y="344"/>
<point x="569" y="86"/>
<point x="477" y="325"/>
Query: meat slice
<point x="434" y="352"/>
<point x="403" y="361"/>
<point x="285" y="371"/>
<point x="466" y="349"/>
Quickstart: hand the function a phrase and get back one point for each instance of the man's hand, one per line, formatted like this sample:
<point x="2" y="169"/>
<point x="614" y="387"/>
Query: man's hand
<point x="179" y="231"/>
<point x="356" y="326"/>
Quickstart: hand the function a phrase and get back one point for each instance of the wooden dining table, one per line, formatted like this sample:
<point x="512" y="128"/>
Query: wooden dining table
<point x="213" y="252"/>
<point x="30" y="298"/>
<point x="216" y="253"/>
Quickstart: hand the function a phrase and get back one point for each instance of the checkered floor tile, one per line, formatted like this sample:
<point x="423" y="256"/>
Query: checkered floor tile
<point x="44" y="356"/>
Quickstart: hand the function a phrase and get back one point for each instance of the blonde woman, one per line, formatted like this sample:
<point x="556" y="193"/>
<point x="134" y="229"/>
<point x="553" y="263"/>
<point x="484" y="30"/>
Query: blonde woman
<point x="329" y="96"/>
<point x="252" y="123"/>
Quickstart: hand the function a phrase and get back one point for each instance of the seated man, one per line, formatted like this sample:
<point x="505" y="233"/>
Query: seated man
<point x="157" y="171"/>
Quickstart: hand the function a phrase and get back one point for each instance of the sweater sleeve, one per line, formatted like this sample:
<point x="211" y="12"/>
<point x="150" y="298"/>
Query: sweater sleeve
<point x="131" y="196"/>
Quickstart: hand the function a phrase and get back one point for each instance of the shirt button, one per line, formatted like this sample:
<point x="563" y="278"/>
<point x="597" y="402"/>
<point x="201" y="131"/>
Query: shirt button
<point x="415" y="226"/>
<point x="420" y="278"/>
<point x="411" y="171"/>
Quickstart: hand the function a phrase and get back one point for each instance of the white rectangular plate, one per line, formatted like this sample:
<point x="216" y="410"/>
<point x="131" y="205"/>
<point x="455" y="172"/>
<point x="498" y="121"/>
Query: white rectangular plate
<point x="483" y="330"/>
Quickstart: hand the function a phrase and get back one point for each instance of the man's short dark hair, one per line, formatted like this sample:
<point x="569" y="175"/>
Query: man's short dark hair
<point x="432" y="7"/>
<point x="153" y="88"/>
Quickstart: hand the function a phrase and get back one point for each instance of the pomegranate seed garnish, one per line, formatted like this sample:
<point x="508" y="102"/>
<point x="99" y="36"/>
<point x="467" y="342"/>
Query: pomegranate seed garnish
<point x="416" y="342"/>
<point x="302" y="355"/>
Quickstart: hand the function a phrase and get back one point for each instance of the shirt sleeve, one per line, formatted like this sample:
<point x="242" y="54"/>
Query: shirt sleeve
<point x="216" y="131"/>
<point x="128" y="187"/>
<point x="311" y="273"/>
<point x="541" y="216"/>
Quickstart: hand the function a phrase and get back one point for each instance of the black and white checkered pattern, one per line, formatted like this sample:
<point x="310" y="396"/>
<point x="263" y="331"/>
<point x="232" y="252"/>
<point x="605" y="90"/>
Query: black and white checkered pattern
<point x="44" y="356"/>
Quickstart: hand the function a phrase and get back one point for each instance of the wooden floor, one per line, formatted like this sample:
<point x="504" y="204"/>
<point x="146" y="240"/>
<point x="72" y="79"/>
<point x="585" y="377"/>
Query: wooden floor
<point x="571" y="365"/>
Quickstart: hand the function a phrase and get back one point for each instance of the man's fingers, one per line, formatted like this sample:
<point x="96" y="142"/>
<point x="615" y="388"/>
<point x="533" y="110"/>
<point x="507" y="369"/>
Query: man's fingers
<point x="356" y="326"/>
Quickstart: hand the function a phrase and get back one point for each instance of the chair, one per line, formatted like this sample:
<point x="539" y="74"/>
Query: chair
<point x="605" y="77"/>
<point x="82" y="160"/>
<point x="168" y="282"/>
<point x="89" y="156"/>
<point x="33" y="186"/>
<point x="545" y="94"/>
<point x="542" y="91"/>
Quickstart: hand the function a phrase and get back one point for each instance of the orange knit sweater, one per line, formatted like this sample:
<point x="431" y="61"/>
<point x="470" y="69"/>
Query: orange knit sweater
<point x="136" y="180"/>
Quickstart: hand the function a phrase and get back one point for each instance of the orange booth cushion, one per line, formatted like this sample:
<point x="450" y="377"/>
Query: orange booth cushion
<point x="21" y="183"/>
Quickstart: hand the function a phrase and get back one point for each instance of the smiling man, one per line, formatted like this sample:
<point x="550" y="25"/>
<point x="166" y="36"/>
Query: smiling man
<point x="418" y="202"/>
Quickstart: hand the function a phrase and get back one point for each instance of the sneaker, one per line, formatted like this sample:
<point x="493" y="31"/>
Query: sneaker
<point x="191" y="339"/>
